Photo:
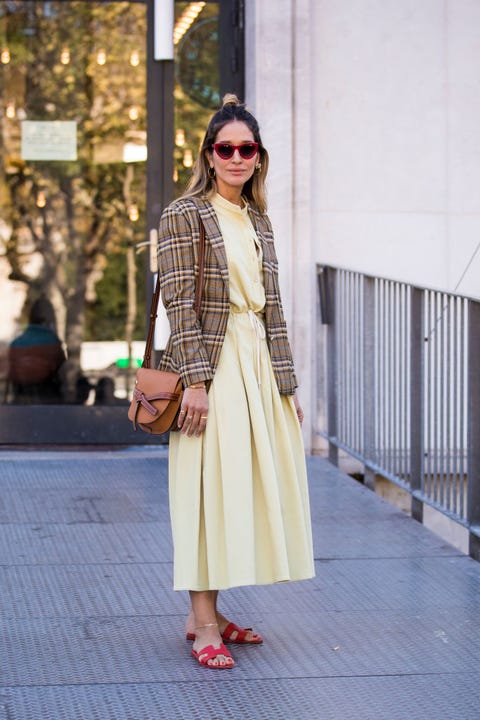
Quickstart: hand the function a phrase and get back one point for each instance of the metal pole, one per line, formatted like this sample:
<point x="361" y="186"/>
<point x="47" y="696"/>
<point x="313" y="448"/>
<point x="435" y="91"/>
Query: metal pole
<point x="160" y="132"/>
<point x="416" y="401"/>
<point x="231" y="46"/>
<point x="473" y="433"/>
<point x="369" y="379"/>
<point x="332" y="367"/>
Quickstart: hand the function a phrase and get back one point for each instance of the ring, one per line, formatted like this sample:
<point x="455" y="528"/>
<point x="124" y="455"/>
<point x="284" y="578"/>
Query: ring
<point x="203" y="417"/>
<point x="182" y="412"/>
<point x="189" y="417"/>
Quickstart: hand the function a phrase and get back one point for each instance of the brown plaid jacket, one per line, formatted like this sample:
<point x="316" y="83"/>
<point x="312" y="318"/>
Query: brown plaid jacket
<point x="194" y="346"/>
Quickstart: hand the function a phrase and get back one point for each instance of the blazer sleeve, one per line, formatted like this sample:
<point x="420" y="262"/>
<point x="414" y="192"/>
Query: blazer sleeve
<point x="178" y="271"/>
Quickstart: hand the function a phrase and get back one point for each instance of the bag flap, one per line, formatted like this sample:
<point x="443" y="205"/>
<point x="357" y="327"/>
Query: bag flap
<point x="150" y="384"/>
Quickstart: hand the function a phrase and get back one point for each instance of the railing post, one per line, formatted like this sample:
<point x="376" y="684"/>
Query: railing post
<point x="473" y="429"/>
<point x="369" y="379"/>
<point x="417" y="352"/>
<point x="332" y="364"/>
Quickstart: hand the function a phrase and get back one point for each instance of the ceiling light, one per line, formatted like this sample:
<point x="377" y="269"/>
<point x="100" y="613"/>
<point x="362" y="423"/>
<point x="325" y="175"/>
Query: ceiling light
<point x="186" y="19"/>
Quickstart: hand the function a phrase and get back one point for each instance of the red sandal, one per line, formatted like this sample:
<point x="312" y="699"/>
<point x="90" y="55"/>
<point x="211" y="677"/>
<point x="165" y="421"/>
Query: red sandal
<point x="210" y="653"/>
<point x="240" y="638"/>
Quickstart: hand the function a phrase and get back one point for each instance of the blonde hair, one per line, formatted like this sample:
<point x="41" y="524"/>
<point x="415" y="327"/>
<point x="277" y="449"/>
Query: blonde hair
<point x="201" y="183"/>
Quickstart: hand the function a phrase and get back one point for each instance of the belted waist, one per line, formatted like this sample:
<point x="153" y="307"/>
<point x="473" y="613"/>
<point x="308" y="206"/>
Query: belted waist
<point x="237" y="311"/>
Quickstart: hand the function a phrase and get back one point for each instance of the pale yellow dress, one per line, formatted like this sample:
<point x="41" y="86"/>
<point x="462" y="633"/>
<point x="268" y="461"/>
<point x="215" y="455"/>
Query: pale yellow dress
<point x="238" y="493"/>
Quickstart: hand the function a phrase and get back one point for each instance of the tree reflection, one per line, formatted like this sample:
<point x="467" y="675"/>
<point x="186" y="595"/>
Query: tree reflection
<point x="69" y="228"/>
<point x="68" y="221"/>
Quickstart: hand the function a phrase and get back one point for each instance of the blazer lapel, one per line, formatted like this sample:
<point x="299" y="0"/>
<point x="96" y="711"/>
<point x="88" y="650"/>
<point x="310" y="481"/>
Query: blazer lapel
<point x="212" y="231"/>
<point x="259" y="227"/>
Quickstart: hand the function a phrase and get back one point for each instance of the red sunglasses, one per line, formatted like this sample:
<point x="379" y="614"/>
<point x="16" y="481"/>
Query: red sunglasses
<point x="226" y="150"/>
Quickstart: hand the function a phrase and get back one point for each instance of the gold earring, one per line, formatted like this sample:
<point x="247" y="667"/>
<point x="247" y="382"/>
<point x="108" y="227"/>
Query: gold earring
<point x="211" y="172"/>
<point x="258" y="168"/>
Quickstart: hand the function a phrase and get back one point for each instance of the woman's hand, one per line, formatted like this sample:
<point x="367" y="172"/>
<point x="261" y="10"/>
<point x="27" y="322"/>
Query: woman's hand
<point x="298" y="409"/>
<point x="194" y="411"/>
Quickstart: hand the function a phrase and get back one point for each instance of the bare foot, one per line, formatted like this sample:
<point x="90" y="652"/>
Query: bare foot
<point x="190" y="624"/>
<point x="248" y="636"/>
<point x="206" y="636"/>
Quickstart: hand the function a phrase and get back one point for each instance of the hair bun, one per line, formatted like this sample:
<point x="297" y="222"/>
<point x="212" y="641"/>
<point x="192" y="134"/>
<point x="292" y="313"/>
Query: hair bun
<point x="230" y="99"/>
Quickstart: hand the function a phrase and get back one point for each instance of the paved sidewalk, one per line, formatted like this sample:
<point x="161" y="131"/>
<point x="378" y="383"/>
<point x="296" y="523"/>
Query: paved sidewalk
<point x="90" y="629"/>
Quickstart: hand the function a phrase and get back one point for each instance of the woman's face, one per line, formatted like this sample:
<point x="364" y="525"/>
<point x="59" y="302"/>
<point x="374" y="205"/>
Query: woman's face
<point x="232" y="174"/>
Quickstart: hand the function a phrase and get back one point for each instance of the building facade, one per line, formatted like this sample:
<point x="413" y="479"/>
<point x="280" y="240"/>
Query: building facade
<point x="369" y="110"/>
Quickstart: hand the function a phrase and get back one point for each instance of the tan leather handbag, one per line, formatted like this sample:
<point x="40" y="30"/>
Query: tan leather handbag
<point x="157" y="395"/>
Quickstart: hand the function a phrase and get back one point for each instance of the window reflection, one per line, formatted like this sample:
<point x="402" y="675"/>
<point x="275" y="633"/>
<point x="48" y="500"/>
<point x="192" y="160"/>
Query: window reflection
<point x="36" y="358"/>
<point x="71" y="224"/>
<point x="72" y="193"/>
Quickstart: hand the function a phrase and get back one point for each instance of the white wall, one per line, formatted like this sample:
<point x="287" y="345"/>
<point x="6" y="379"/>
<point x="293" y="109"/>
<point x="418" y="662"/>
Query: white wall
<point x="371" y="112"/>
<point x="396" y="109"/>
<point x="269" y="91"/>
<point x="277" y="80"/>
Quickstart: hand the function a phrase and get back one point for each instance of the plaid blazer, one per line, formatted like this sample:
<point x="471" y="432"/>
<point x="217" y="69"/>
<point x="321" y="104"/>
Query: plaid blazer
<point x="194" y="346"/>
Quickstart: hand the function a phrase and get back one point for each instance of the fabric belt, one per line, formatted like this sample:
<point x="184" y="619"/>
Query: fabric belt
<point x="260" y="334"/>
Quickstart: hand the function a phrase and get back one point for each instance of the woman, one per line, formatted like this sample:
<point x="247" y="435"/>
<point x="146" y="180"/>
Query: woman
<point x="238" y="491"/>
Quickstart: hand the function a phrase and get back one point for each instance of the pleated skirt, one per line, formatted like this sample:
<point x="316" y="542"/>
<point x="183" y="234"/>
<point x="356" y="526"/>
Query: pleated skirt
<point x="238" y="494"/>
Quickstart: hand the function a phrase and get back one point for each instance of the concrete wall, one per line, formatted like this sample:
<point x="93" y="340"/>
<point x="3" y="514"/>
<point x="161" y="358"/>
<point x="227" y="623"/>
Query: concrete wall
<point x="370" y="110"/>
<point x="278" y="76"/>
<point x="397" y="107"/>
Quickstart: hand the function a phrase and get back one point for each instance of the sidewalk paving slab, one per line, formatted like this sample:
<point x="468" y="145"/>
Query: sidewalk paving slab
<point x="90" y="628"/>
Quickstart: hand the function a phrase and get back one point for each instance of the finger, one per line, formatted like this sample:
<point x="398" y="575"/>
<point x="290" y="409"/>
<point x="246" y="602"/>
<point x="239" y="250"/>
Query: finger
<point x="202" y="424"/>
<point x="181" y="417"/>
<point x="194" y="420"/>
<point x="187" y="421"/>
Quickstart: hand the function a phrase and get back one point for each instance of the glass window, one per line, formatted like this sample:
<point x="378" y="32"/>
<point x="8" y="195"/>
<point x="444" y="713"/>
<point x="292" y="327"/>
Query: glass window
<point x="72" y="192"/>
<point x="74" y="258"/>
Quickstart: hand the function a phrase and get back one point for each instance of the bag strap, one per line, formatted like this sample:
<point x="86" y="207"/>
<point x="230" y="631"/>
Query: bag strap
<point x="201" y="268"/>
<point x="156" y="297"/>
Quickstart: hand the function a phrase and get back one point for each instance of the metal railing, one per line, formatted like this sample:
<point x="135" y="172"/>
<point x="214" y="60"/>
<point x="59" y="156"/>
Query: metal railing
<point x="402" y="389"/>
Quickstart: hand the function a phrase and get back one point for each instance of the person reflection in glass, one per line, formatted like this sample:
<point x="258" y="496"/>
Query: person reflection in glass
<point x="35" y="359"/>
